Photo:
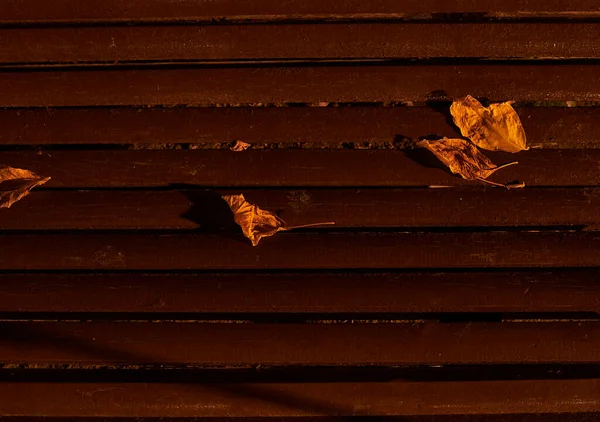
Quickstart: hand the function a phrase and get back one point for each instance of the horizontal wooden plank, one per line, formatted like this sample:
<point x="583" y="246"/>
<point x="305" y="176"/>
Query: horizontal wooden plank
<point x="292" y="168"/>
<point x="298" y="399"/>
<point x="297" y="250"/>
<point x="36" y="10"/>
<point x="370" y="208"/>
<point x="100" y="344"/>
<point x="497" y="292"/>
<point x="536" y="417"/>
<point x="302" y="41"/>
<point x="547" y="127"/>
<point x="298" y="84"/>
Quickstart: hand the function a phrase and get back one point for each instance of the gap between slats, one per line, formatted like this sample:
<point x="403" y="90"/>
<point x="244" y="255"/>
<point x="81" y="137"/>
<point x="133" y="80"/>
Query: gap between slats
<point x="269" y="374"/>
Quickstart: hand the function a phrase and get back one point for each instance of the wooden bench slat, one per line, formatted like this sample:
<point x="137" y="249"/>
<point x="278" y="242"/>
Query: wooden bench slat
<point x="531" y="417"/>
<point x="371" y="208"/>
<point x="100" y="344"/>
<point x="71" y="10"/>
<point x="298" y="250"/>
<point x="547" y="127"/>
<point x="298" y="84"/>
<point x="299" y="399"/>
<point x="303" y="41"/>
<point x="292" y="168"/>
<point x="496" y="292"/>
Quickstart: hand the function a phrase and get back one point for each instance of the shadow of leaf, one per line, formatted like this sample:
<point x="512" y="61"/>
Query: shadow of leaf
<point x="425" y="158"/>
<point x="443" y="107"/>
<point x="210" y="211"/>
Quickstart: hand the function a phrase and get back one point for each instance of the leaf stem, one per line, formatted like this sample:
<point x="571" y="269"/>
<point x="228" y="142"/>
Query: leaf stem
<point x="505" y="165"/>
<point x="303" y="226"/>
<point x="492" y="183"/>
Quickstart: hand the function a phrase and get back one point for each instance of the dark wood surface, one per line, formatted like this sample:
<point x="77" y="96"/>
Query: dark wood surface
<point x="333" y="293"/>
<point x="302" y="41"/>
<point x="274" y="84"/>
<point x="248" y="345"/>
<point x="128" y="291"/>
<point x="348" y="208"/>
<point x="297" y="250"/>
<point x="300" y="399"/>
<point x="117" y="10"/>
<point x="546" y="127"/>
<point x="514" y="417"/>
<point x="299" y="168"/>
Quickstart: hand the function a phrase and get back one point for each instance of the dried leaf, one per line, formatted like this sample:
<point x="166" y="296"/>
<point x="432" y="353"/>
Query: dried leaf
<point x="16" y="183"/>
<point x="495" y="128"/>
<point x="240" y="146"/>
<point x="464" y="159"/>
<point x="257" y="223"/>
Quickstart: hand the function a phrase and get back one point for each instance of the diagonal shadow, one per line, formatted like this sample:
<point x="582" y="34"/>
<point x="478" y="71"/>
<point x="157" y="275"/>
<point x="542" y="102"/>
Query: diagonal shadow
<point x="39" y="338"/>
<point x="264" y="391"/>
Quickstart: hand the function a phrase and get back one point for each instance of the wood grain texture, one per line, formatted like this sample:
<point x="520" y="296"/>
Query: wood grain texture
<point x="547" y="127"/>
<point x="248" y="345"/>
<point x="503" y="292"/>
<point x="359" y="208"/>
<point x="298" y="84"/>
<point x="298" y="399"/>
<point x="292" y="168"/>
<point x="37" y="10"/>
<point x="298" y="250"/>
<point x="302" y="41"/>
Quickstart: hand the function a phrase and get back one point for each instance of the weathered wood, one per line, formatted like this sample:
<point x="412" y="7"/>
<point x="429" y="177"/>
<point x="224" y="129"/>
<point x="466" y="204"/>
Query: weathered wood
<point x="71" y="10"/>
<point x="289" y="250"/>
<point x="293" y="168"/>
<point x="303" y="41"/>
<point x="298" y="399"/>
<point x="501" y="292"/>
<point x="370" y="208"/>
<point x="247" y="345"/>
<point x="549" y="127"/>
<point x="311" y="84"/>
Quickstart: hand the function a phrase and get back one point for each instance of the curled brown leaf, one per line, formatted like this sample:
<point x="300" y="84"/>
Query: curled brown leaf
<point x="17" y="183"/>
<point x="464" y="159"/>
<point x="495" y="128"/>
<point x="255" y="222"/>
<point x="240" y="146"/>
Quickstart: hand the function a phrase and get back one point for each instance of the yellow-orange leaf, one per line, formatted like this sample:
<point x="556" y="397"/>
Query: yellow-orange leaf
<point x="255" y="222"/>
<point x="16" y="183"/>
<point x="495" y="128"/>
<point x="464" y="159"/>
